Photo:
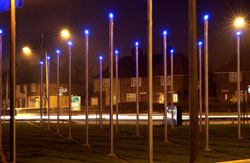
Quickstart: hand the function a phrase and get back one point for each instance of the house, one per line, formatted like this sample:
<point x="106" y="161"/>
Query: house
<point x="127" y="80"/>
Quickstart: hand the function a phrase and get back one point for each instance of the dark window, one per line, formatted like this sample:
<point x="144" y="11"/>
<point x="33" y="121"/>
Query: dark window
<point x="22" y="88"/>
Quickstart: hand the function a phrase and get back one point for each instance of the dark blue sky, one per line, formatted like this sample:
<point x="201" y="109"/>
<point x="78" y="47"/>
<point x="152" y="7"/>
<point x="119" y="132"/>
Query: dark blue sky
<point x="50" y="16"/>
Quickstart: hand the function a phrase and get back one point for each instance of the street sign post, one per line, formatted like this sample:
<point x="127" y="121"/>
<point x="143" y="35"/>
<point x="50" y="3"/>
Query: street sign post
<point x="5" y="5"/>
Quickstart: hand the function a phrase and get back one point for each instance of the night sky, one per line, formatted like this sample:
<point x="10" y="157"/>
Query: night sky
<point x="50" y="16"/>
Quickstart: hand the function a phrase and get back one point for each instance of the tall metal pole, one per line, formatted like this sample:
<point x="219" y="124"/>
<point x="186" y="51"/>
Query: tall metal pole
<point x="12" y="81"/>
<point x="47" y="85"/>
<point x="238" y="34"/>
<point x="165" y="86"/>
<point x="41" y="95"/>
<point x="58" y="87"/>
<point x="137" y="90"/>
<point x="48" y="58"/>
<point x="200" y="82"/>
<point x="70" y="44"/>
<point x="100" y="98"/>
<point x="1" y="85"/>
<point x="193" y="82"/>
<point x="6" y="95"/>
<point x="116" y="89"/>
<point x="86" y="87"/>
<point x="172" y="89"/>
<point x="111" y="30"/>
<point x="150" y="78"/>
<point x="206" y="17"/>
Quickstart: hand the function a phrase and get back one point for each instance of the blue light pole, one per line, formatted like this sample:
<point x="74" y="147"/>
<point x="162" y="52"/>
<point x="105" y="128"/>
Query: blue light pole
<point x="48" y="60"/>
<point x="86" y="32"/>
<point x="200" y="43"/>
<point x="206" y="17"/>
<point x="58" y="52"/>
<point x="1" y="71"/>
<point x="172" y="88"/>
<point x="164" y="33"/>
<point x="137" y="89"/>
<point x="238" y="34"/>
<point x="41" y="95"/>
<point x="117" y="88"/>
<point x="111" y="33"/>
<point x="100" y="98"/>
<point x="70" y="44"/>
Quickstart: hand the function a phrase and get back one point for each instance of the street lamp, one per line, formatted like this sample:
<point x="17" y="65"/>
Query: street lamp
<point x="206" y="17"/>
<point x="200" y="43"/>
<point x="58" y="52"/>
<point x="111" y="33"/>
<point x="116" y="85"/>
<point x="164" y="33"/>
<point x="41" y="94"/>
<point x="172" y="88"/>
<point x="137" y="89"/>
<point x="70" y="44"/>
<point x="239" y="22"/>
<point x="48" y="59"/>
<point x="26" y="50"/>
<point x="65" y="34"/>
<point x="86" y="32"/>
<point x="100" y="98"/>
<point x="238" y="34"/>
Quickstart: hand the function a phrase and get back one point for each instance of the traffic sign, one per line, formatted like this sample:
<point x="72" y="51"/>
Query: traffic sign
<point x="63" y="90"/>
<point x="5" y="5"/>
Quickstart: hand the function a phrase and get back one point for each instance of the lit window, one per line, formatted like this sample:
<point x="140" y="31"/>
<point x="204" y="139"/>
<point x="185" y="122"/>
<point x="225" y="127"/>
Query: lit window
<point x="226" y="97"/>
<point x="133" y="82"/>
<point x="106" y="83"/>
<point x="131" y="97"/>
<point x="175" y="97"/>
<point x="94" y="101"/>
<point x="160" y="98"/>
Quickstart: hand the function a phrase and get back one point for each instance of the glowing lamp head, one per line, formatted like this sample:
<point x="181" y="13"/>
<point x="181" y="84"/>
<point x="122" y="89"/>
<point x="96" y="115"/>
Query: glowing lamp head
<point x="172" y="51"/>
<point x="1" y="31"/>
<point x="86" y="32"/>
<point x="137" y="43"/>
<point x="48" y="57"/>
<point x="41" y="62"/>
<point x="164" y="33"/>
<point x="116" y="52"/>
<point x="200" y="43"/>
<point x="239" y="22"/>
<point x="100" y="57"/>
<point x="206" y="17"/>
<point x="65" y="34"/>
<point x="111" y="15"/>
<point x="58" y="51"/>
<point x="26" y="50"/>
<point x="70" y="43"/>
<point x="238" y="33"/>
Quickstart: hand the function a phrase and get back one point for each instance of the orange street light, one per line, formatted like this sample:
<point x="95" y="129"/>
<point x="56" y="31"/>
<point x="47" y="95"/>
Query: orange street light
<point x="65" y="34"/>
<point x="26" y="50"/>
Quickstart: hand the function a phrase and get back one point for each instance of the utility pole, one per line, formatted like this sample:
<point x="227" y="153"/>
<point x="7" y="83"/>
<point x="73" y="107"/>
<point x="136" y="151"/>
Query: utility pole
<point x="150" y="78"/>
<point x="12" y="81"/>
<point x="193" y="89"/>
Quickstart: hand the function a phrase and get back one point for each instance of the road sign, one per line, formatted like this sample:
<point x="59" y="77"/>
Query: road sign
<point x="5" y="5"/>
<point x="63" y="90"/>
